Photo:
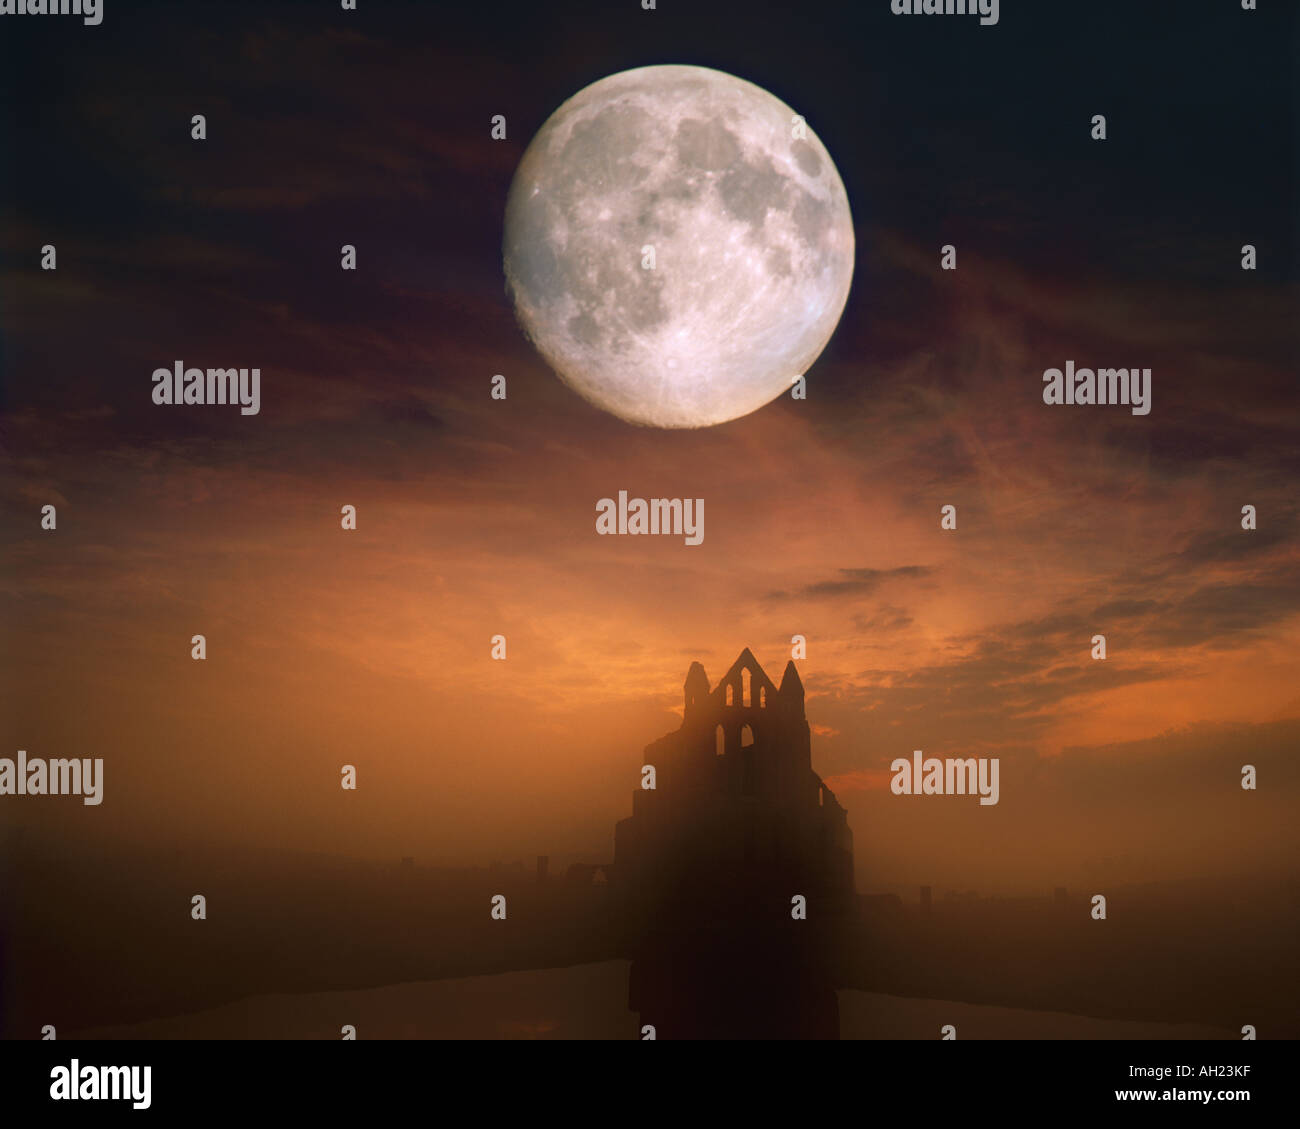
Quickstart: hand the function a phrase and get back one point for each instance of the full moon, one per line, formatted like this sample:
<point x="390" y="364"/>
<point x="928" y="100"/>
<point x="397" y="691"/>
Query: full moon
<point x="678" y="245"/>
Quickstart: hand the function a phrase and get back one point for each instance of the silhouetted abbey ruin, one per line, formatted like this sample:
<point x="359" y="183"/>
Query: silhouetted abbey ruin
<point x="713" y="860"/>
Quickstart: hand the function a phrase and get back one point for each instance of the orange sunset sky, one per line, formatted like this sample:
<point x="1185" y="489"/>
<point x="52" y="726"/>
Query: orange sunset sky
<point x="477" y="517"/>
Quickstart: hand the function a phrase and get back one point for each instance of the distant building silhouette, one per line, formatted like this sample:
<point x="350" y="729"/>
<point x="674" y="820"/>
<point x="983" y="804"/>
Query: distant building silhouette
<point x="711" y="860"/>
<point x="543" y="864"/>
<point x="925" y="899"/>
<point x="735" y="790"/>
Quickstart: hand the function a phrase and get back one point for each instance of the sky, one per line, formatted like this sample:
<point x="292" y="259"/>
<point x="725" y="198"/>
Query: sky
<point x="475" y="517"/>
